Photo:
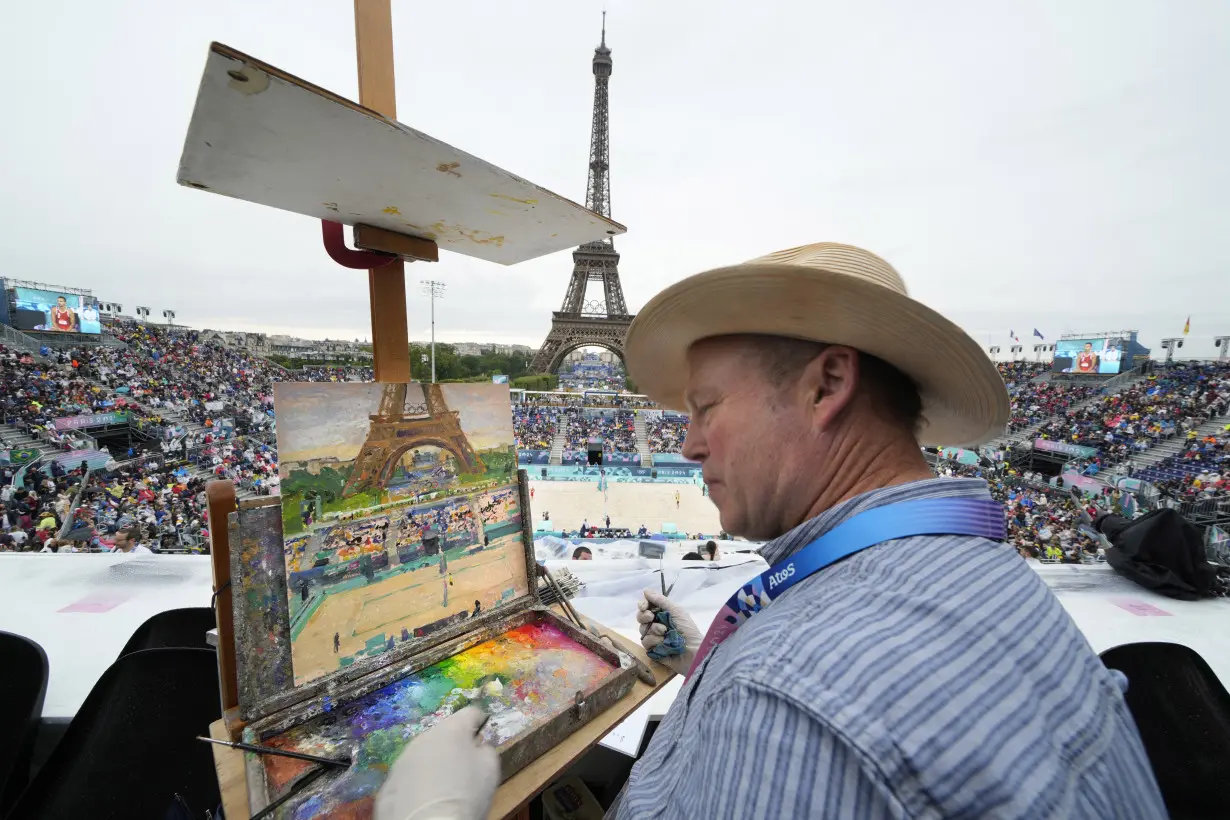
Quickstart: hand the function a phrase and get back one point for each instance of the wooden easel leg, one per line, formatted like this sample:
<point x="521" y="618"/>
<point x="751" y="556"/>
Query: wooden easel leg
<point x="220" y="500"/>
<point x="373" y="28"/>
<point x="390" y="339"/>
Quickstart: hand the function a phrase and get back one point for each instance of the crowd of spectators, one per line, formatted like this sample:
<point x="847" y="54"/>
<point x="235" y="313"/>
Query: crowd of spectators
<point x="1044" y="522"/>
<point x="1035" y="401"/>
<point x="1200" y="471"/>
<point x="206" y="410"/>
<point x="534" y="426"/>
<point x="666" y="433"/>
<point x="165" y="379"/>
<point x="1172" y="402"/>
<point x="588" y="400"/>
<point x="616" y="430"/>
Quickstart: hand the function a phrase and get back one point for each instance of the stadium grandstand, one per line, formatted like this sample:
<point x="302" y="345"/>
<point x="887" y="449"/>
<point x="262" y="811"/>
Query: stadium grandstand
<point x="118" y="430"/>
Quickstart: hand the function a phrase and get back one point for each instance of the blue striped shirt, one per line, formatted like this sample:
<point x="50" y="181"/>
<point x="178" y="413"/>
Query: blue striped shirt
<point x="927" y="677"/>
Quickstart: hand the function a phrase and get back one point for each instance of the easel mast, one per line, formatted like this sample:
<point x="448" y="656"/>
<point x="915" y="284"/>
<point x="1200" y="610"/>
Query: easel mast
<point x="373" y="30"/>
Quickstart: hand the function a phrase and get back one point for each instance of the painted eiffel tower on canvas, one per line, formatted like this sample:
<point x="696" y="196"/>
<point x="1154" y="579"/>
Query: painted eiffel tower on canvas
<point x="402" y="425"/>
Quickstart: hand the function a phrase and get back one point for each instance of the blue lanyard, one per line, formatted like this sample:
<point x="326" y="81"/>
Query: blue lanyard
<point x="982" y="518"/>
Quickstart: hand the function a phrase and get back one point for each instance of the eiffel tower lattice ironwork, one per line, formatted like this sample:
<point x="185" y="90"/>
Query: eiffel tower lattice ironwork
<point x="400" y="426"/>
<point x="601" y="322"/>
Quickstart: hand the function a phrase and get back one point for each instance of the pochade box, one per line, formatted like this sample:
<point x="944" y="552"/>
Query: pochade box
<point x="392" y="583"/>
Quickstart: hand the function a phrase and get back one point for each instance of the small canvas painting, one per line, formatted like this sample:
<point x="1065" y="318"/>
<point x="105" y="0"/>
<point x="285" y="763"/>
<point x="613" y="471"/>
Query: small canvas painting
<point x="400" y="514"/>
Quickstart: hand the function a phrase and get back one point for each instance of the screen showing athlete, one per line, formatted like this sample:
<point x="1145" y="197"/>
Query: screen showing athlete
<point x="1087" y="360"/>
<point x="62" y="316"/>
<point x="1111" y="357"/>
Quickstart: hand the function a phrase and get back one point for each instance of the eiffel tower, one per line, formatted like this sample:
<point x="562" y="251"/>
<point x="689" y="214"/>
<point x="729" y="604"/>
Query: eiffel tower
<point x="400" y="426"/>
<point x="604" y="321"/>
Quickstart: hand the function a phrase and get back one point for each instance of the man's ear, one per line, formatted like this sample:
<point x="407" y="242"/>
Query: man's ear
<point x="830" y="381"/>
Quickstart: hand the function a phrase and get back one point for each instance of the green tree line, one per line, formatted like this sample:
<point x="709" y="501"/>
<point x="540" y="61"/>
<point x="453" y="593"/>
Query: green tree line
<point x="451" y="367"/>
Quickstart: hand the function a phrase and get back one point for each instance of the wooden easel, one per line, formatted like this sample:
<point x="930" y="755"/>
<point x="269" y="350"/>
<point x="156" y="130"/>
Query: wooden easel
<point x="386" y="284"/>
<point x="387" y="249"/>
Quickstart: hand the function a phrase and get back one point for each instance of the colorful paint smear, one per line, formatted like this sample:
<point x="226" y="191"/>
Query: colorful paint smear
<point x="522" y="678"/>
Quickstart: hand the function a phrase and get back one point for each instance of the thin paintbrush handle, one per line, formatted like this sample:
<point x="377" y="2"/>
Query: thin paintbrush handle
<point x="301" y="784"/>
<point x="342" y="763"/>
<point x="563" y="599"/>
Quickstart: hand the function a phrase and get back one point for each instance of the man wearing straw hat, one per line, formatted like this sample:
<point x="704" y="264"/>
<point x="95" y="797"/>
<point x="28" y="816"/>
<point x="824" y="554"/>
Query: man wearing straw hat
<point x="897" y="659"/>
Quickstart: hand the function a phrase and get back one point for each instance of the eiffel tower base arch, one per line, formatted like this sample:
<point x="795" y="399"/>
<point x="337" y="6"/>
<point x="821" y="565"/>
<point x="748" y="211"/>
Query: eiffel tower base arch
<point x="570" y="332"/>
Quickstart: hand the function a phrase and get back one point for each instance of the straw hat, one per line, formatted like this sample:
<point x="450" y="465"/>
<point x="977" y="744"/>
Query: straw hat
<point x="830" y="293"/>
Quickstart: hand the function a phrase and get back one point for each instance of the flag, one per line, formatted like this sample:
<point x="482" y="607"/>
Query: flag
<point x="1039" y="334"/>
<point x="1012" y="335"/>
<point x="1187" y="328"/>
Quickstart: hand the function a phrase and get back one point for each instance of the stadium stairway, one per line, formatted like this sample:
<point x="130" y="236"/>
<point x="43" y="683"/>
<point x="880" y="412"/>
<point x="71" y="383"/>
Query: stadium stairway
<point x="557" y="443"/>
<point x="15" y="439"/>
<point x="642" y="439"/>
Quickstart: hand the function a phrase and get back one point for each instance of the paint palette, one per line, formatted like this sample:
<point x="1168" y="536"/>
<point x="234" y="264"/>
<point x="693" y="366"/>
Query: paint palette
<point x="524" y="678"/>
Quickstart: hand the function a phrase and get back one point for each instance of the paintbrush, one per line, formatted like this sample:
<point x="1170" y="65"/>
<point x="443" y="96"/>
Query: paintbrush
<point x="300" y="784"/>
<point x="341" y="763"/>
<point x="569" y="612"/>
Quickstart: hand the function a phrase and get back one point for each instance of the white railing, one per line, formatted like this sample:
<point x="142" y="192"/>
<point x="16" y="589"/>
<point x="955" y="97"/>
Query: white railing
<point x="12" y="337"/>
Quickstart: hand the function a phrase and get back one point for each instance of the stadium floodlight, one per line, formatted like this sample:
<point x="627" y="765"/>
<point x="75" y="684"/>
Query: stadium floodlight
<point x="1222" y="343"/>
<point x="142" y="312"/>
<point x="169" y="315"/>
<point x="1170" y="346"/>
<point x="435" y="290"/>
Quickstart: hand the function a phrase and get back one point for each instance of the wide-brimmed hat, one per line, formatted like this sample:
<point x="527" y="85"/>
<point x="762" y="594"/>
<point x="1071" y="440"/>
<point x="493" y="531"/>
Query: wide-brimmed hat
<point x="830" y="293"/>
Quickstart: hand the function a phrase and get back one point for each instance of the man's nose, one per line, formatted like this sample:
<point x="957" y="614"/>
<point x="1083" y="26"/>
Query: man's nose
<point x="694" y="448"/>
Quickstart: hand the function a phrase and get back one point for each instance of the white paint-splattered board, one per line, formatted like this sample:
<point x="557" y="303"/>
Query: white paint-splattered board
<point x="264" y="136"/>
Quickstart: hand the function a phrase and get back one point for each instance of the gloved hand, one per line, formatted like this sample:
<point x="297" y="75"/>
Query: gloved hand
<point x="446" y="773"/>
<point x="654" y="633"/>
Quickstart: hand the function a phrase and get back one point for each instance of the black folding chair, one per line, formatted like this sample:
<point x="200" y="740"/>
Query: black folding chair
<point x="23" y="686"/>
<point x="132" y="748"/>
<point x="1183" y="713"/>
<point x="174" y="628"/>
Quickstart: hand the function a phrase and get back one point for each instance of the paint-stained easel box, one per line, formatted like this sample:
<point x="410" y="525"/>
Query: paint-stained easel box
<point x="272" y="705"/>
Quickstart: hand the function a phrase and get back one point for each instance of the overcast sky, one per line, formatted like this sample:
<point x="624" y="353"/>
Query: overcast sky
<point x="1063" y="165"/>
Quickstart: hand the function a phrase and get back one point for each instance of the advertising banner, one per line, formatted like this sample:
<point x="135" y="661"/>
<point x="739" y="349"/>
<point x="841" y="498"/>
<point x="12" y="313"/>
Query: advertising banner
<point x="95" y="420"/>
<point x="1074" y="450"/>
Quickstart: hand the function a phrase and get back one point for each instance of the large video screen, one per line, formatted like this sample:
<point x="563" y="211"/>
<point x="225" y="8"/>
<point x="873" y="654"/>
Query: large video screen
<point x="1089" y="356"/>
<point x="48" y="311"/>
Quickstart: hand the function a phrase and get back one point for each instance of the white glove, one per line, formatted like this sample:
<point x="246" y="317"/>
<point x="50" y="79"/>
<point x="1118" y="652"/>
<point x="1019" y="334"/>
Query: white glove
<point x="653" y="633"/>
<point x="446" y="773"/>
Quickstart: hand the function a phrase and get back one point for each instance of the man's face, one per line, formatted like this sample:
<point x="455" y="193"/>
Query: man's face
<point x="121" y="542"/>
<point x="746" y="433"/>
<point x="61" y="302"/>
<point x="1088" y="347"/>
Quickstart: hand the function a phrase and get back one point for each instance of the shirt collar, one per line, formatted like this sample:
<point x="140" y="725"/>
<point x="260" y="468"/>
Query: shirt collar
<point x="784" y="546"/>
